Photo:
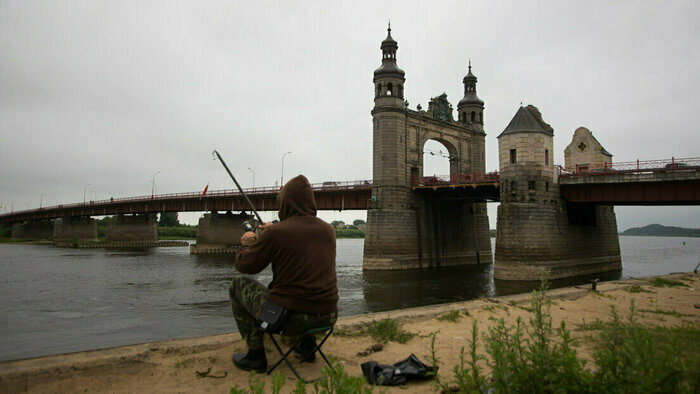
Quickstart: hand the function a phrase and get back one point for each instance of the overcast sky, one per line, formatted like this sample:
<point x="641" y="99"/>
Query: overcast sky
<point x="98" y="96"/>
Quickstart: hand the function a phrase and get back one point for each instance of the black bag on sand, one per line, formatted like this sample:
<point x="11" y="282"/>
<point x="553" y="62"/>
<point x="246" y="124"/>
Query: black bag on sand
<point x="410" y="368"/>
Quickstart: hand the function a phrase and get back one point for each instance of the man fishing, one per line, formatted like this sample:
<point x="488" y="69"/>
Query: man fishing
<point x="301" y="249"/>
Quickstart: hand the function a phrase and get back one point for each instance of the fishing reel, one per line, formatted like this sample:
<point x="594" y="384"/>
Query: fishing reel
<point x="250" y="225"/>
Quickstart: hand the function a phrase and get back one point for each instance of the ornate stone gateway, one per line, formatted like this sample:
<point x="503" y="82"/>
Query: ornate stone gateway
<point x="407" y="229"/>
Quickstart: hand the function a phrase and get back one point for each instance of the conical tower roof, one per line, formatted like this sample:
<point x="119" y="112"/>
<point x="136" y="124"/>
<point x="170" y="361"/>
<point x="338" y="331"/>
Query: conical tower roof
<point x="527" y="120"/>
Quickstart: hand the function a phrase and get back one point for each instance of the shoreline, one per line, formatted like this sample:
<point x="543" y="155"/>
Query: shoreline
<point x="172" y="365"/>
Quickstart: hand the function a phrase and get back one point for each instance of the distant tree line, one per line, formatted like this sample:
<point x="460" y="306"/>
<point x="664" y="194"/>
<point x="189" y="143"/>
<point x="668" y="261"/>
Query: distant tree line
<point x="354" y="230"/>
<point x="662" y="231"/>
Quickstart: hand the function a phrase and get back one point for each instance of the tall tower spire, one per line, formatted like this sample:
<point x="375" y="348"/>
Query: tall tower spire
<point x="470" y="107"/>
<point x="389" y="78"/>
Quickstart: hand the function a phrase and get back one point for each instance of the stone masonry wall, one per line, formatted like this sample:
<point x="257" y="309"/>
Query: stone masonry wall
<point x="404" y="231"/>
<point x="220" y="230"/>
<point x="535" y="236"/>
<point x="137" y="228"/>
<point x="449" y="234"/>
<point x="78" y="228"/>
<point x="39" y="229"/>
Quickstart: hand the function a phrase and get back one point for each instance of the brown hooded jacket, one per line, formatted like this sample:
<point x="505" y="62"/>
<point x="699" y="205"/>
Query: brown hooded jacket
<point x="301" y="248"/>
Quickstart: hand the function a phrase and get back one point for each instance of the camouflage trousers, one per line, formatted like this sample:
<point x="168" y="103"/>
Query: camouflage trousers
<point x="248" y="296"/>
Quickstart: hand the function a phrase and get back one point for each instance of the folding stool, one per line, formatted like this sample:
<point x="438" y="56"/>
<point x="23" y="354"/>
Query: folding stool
<point x="327" y="330"/>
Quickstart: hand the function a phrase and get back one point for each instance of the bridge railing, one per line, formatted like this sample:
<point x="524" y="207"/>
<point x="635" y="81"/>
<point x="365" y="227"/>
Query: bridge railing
<point x="455" y="179"/>
<point x="321" y="186"/>
<point x="636" y="167"/>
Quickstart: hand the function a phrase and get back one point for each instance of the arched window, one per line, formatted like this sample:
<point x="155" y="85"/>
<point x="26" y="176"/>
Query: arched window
<point x="400" y="91"/>
<point x="389" y="89"/>
<point x="481" y="117"/>
<point x="464" y="117"/>
<point x="379" y="90"/>
<point x="473" y="116"/>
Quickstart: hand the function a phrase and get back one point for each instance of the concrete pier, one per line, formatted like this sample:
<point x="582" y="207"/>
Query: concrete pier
<point x="75" y="228"/>
<point x="135" y="228"/>
<point x="219" y="233"/>
<point x="33" y="229"/>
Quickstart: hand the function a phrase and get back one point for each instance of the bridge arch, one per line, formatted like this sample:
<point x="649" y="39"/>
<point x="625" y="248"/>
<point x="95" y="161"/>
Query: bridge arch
<point x="439" y="157"/>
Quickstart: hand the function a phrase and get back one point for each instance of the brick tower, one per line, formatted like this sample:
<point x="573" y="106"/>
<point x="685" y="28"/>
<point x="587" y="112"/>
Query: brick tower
<point x="406" y="228"/>
<point x="537" y="231"/>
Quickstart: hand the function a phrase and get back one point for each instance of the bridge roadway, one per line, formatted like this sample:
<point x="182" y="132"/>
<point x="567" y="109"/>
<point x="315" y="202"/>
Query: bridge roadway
<point x="653" y="182"/>
<point x="610" y="186"/>
<point x="329" y="196"/>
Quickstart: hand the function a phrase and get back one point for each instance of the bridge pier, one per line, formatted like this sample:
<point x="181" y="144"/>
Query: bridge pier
<point x="217" y="233"/>
<point x="75" y="228"/>
<point x="32" y="229"/>
<point x="431" y="233"/>
<point x="134" y="228"/>
<point x="537" y="231"/>
<point x="555" y="239"/>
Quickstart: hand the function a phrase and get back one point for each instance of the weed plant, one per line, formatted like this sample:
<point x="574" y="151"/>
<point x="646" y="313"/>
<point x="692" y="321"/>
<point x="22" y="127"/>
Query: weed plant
<point x="663" y="282"/>
<point x="537" y="358"/>
<point x="334" y="380"/>
<point x="451" y="316"/>
<point x="384" y="330"/>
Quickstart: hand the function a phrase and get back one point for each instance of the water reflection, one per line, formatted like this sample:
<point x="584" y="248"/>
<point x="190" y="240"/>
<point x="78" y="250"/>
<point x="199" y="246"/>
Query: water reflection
<point x="386" y="290"/>
<point x="224" y="260"/>
<point x="126" y="252"/>
<point x="508" y="287"/>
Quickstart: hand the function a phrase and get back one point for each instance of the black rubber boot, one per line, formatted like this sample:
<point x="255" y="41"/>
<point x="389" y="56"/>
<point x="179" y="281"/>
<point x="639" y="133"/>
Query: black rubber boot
<point x="254" y="360"/>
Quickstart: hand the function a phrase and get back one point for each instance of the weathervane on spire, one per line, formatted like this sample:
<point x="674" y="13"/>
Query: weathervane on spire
<point x="389" y="29"/>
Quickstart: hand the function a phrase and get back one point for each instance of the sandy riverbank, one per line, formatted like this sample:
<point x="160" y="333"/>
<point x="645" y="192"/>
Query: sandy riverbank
<point x="171" y="366"/>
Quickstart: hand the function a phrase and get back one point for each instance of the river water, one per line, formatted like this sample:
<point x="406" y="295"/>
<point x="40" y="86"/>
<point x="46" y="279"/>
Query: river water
<point x="58" y="300"/>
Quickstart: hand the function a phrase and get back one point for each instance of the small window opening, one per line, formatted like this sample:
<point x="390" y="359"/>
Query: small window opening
<point x="389" y="89"/>
<point x="546" y="186"/>
<point x="513" y="186"/>
<point x="379" y="90"/>
<point x="546" y="157"/>
<point x="464" y="116"/>
<point x="531" y="185"/>
<point x="481" y="117"/>
<point x="513" y="156"/>
<point x="473" y="115"/>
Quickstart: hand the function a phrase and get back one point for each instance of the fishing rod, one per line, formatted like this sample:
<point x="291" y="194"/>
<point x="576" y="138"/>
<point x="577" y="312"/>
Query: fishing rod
<point x="240" y="189"/>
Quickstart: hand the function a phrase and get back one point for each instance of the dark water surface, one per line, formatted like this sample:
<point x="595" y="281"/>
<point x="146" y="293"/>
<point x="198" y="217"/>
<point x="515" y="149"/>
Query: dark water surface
<point x="56" y="300"/>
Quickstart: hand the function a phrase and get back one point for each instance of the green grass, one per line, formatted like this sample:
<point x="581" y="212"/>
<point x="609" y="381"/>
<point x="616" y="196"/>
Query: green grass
<point x="663" y="282"/>
<point x="381" y="330"/>
<point x="637" y="289"/>
<point x="452" y="316"/>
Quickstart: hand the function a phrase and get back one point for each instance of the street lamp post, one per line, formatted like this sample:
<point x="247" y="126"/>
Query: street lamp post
<point x="85" y="191"/>
<point x="95" y="193"/>
<point x="41" y="200"/>
<point x="282" y="176"/>
<point x="251" y="170"/>
<point x="153" y="184"/>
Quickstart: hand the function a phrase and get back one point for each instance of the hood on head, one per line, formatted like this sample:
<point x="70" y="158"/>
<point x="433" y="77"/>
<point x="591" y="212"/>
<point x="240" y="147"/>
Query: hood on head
<point x="296" y="198"/>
